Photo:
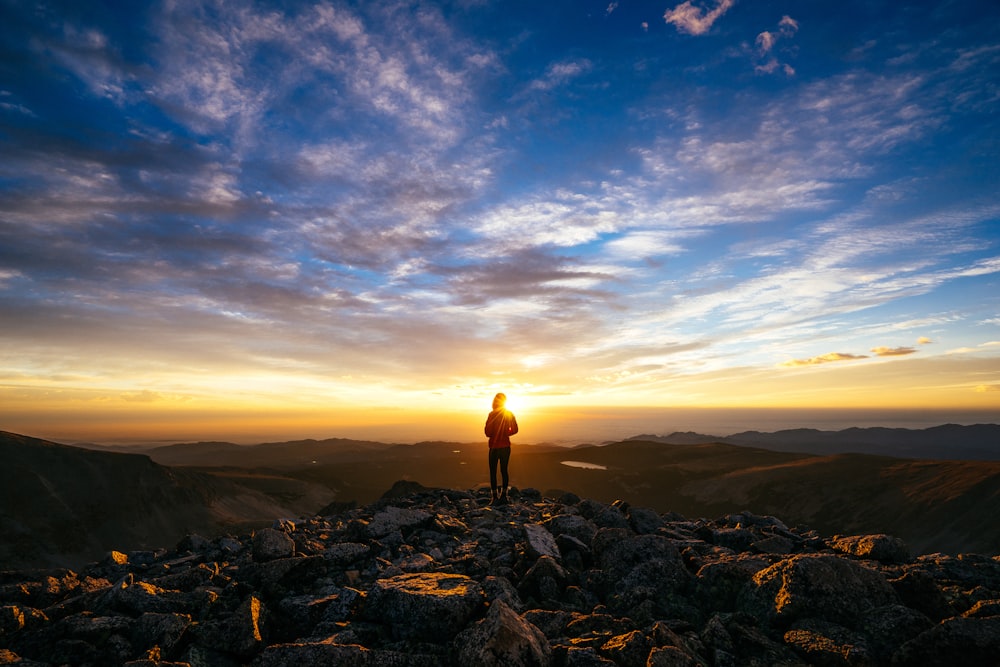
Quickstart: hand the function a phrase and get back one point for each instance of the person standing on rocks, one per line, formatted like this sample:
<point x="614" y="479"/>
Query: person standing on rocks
<point x="500" y="425"/>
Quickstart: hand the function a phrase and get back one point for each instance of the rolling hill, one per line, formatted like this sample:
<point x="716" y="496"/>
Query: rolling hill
<point x="63" y="505"/>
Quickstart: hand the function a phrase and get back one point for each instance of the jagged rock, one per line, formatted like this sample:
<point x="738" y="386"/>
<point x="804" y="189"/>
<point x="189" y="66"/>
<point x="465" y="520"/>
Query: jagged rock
<point x="326" y="653"/>
<point x="644" y="521"/>
<point x="917" y="589"/>
<point x="719" y="583"/>
<point x="825" y="643"/>
<point x="270" y="544"/>
<point x="585" y="656"/>
<point x="545" y="580"/>
<point x="889" y="627"/>
<point x="162" y="630"/>
<point x="424" y="606"/>
<point x="540" y="541"/>
<point x="434" y="577"/>
<point x="821" y="586"/>
<point x="393" y="519"/>
<point x="956" y="641"/>
<point x="344" y="553"/>
<point x="983" y="609"/>
<point x="628" y="650"/>
<point x="503" y="639"/>
<point x="573" y="525"/>
<point x="670" y="656"/>
<point x="884" y="548"/>
<point x="239" y="633"/>
<point x="773" y="544"/>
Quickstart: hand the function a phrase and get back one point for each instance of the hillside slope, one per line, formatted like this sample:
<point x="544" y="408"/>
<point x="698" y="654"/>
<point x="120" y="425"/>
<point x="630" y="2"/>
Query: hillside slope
<point x="62" y="505"/>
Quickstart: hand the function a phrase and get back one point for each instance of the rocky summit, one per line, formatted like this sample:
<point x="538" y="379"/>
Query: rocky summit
<point x="428" y="577"/>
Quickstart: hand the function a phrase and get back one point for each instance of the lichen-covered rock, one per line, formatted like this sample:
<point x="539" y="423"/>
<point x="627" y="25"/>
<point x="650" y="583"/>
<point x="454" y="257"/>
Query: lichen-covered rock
<point x="241" y="633"/>
<point x="270" y="544"/>
<point x="884" y="548"/>
<point x="825" y="587"/>
<point x="395" y="518"/>
<point x="424" y="606"/>
<point x="503" y="639"/>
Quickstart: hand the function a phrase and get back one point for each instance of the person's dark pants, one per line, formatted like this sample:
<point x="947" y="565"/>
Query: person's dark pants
<point x="499" y="455"/>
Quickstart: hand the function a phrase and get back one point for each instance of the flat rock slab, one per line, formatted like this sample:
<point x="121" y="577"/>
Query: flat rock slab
<point x="424" y="605"/>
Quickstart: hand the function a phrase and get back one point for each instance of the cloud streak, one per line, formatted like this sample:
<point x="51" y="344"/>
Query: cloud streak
<point x="694" y="20"/>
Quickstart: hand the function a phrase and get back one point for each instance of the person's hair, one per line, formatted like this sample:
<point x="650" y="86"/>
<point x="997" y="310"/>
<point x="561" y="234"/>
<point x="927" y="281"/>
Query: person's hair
<point x="501" y="397"/>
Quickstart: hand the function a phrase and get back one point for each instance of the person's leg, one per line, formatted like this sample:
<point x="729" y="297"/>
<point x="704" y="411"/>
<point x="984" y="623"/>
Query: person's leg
<point x="494" y="460"/>
<point x="504" y="461"/>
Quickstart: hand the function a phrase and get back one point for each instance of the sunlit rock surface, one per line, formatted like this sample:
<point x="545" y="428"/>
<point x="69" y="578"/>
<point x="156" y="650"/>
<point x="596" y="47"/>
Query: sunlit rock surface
<point x="428" y="577"/>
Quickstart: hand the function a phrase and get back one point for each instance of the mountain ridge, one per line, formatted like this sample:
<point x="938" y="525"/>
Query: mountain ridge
<point x="946" y="441"/>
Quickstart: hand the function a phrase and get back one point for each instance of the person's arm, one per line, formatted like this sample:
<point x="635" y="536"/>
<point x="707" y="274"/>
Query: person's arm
<point x="490" y="427"/>
<point x="512" y="428"/>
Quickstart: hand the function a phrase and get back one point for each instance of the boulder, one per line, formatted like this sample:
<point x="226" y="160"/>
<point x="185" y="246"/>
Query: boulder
<point x="393" y="519"/>
<point x="540" y="541"/>
<point x="815" y="586"/>
<point x="424" y="606"/>
<point x="884" y="548"/>
<point x="503" y="639"/>
<point x="956" y="641"/>
<point x="241" y="633"/>
<point x="270" y="544"/>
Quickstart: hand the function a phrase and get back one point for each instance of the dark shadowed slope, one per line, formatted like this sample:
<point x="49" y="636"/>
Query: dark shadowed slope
<point x="62" y="505"/>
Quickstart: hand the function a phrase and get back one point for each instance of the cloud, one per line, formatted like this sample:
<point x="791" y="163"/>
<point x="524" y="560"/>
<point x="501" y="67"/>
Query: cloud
<point x="987" y="388"/>
<point x="924" y="340"/>
<point x="892" y="351"/>
<point x="766" y="42"/>
<point x="695" y="20"/>
<point x="822" y="359"/>
<point x="558" y="74"/>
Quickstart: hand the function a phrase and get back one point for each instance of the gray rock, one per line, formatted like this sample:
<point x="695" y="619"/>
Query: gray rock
<point x="540" y="541"/>
<point x="574" y="525"/>
<point x="503" y="639"/>
<point x="956" y="641"/>
<point x="424" y="606"/>
<point x="270" y="544"/>
<point x="345" y="553"/>
<point x="884" y="548"/>
<point x="644" y="520"/>
<point x="826" y="587"/>
<point x="241" y="633"/>
<point x="397" y="518"/>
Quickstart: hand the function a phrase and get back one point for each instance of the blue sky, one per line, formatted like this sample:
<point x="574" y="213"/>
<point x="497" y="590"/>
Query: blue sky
<point x="340" y="215"/>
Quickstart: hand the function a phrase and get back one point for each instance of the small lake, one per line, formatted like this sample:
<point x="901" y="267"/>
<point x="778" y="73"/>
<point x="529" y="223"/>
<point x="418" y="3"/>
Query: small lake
<point x="584" y="464"/>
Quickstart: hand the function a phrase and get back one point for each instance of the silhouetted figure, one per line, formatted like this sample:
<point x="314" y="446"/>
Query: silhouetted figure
<point x="500" y="425"/>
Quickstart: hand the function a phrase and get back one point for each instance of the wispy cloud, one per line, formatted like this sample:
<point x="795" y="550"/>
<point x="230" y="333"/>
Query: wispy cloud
<point x="765" y="45"/>
<point x="694" y="20"/>
<point x="830" y="357"/>
<point x="884" y="351"/>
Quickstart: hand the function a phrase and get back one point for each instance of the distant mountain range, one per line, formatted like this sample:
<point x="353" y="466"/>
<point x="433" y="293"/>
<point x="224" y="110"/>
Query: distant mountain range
<point x="63" y="505"/>
<point x="979" y="442"/>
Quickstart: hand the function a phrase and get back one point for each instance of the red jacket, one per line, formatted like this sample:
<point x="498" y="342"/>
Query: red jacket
<point x="500" y="425"/>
